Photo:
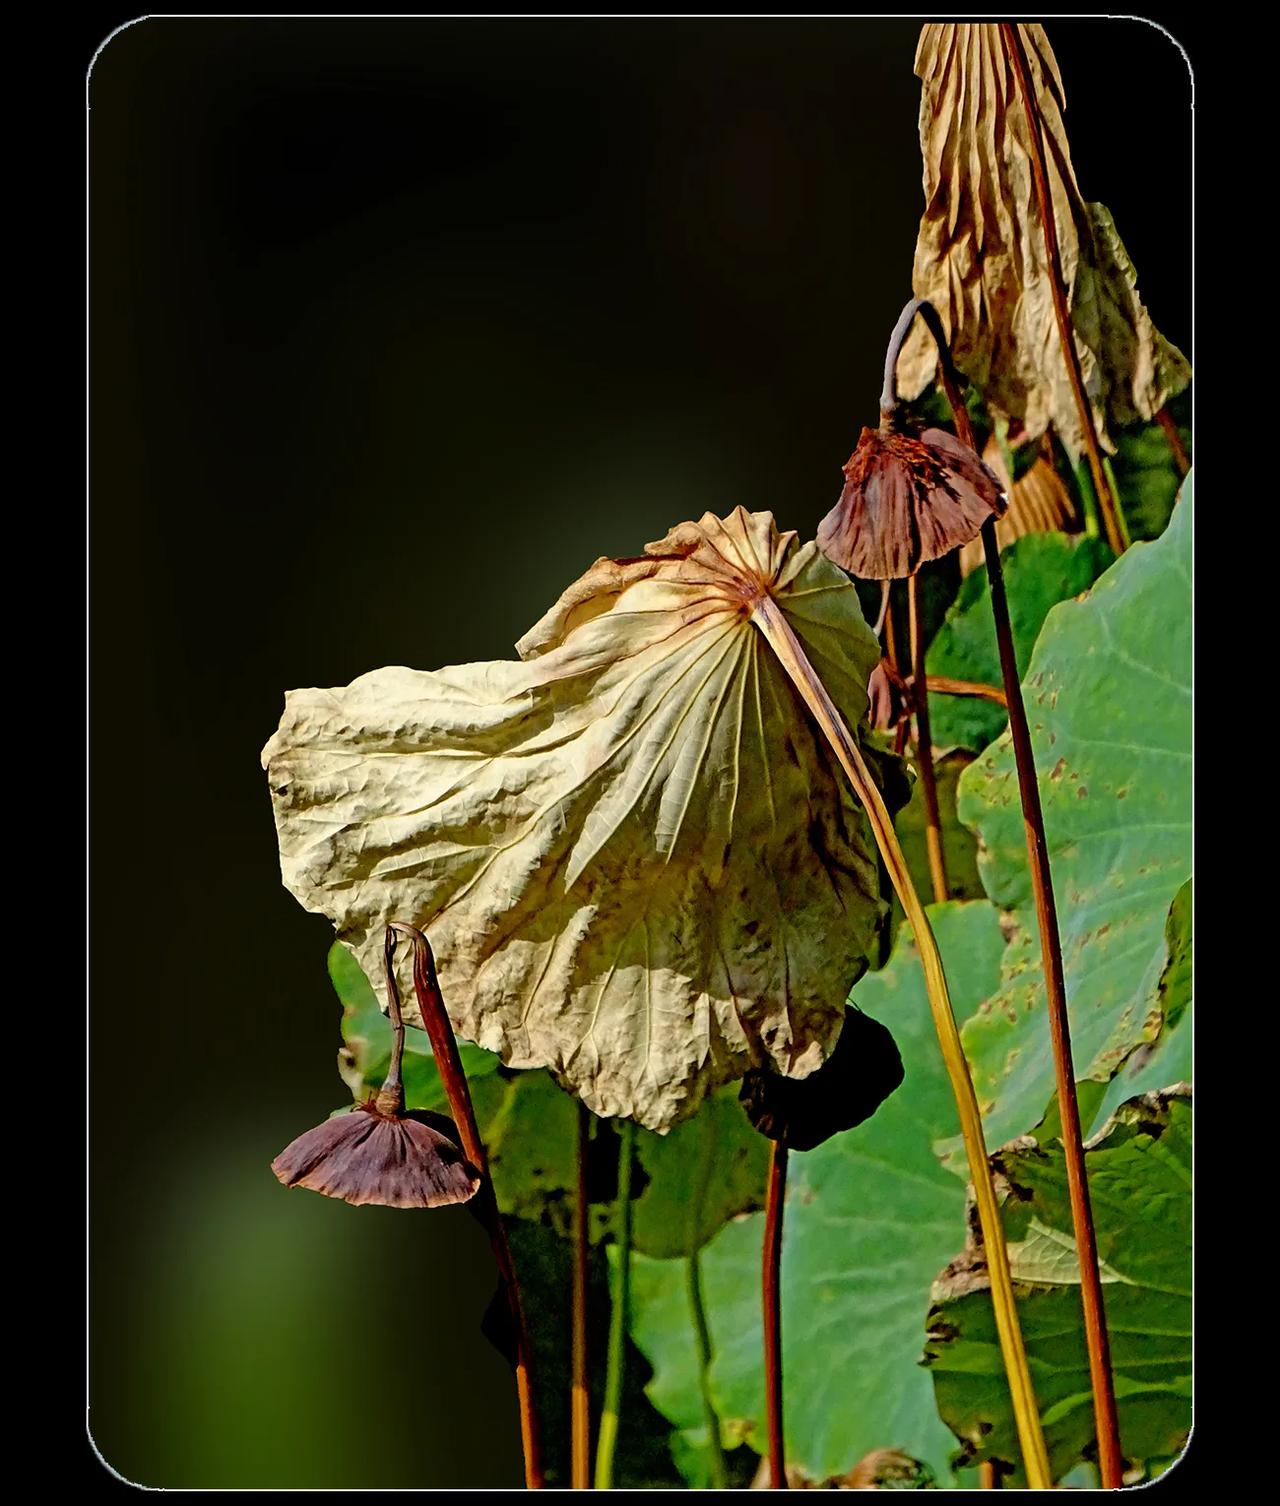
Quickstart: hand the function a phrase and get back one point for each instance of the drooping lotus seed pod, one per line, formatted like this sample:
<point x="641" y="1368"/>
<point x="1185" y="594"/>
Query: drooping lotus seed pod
<point x="372" y="1155"/>
<point x="906" y="501"/>
<point x="378" y="1153"/>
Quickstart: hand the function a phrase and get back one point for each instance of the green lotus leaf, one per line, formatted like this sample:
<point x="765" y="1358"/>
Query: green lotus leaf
<point x="1040" y="570"/>
<point x="1167" y="1059"/>
<point x="1139" y="1171"/>
<point x="1147" y="474"/>
<point x="870" y="1217"/>
<point x="1108" y="696"/>
<point x="706" y="1171"/>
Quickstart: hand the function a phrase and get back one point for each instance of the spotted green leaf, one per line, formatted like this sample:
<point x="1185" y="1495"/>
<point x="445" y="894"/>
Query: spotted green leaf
<point x="1139" y="1171"/>
<point x="1040" y="570"/>
<point x="1108" y="696"/>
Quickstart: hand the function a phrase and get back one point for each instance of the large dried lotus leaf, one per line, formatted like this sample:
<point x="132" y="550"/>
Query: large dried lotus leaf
<point x="981" y="259"/>
<point x="638" y="864"/>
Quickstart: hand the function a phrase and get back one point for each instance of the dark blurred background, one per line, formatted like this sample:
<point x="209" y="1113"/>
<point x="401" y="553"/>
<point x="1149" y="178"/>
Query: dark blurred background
<point x="395" y="327"/>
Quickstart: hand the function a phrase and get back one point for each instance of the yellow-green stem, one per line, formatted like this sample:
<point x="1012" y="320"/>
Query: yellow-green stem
<point x="702" y="1338"/>
<point x="771" y="621"/>
<point x="1121" y="521"/>
<point x="607" y="1441"/>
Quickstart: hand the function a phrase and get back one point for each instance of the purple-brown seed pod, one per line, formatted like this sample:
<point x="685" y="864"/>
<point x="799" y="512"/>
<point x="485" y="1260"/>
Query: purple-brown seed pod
<point x="907" y="501"/>
<point x="370" y="1155"/>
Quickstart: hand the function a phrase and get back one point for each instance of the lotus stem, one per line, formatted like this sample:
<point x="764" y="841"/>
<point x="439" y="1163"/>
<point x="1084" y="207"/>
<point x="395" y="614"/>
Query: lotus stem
<point x="1108" y="501"/>
<point x="944" y="685"/>
<point x="772" y="622"/>
<point x="1180" y="457"/>
<point x="1097" y="1341"/>
<point x="1106" y="1419"/>
<point x="616" y="1362"/>
<point x="771" y="1291"/>
<point x="924" y="748"/>
<point x="439" y="1028"/>
<point x="1088" y="500"/>
<point x="1125" y="537"/>
<point x="580" y="1405"/>
<point x="702" y="1338"/>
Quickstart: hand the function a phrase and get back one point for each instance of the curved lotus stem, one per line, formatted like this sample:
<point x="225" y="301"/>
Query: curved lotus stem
<point x="1097" y="1338"/>
<point x="579" y="1396"/>
<point x="771" y="1292"/>
<point x="439" y="1028"/>
<point x="610" y="1412"/>
<point x="777" y="630"/>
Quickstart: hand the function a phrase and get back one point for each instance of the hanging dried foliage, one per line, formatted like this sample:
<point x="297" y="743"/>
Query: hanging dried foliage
<point x="981" y="257"/>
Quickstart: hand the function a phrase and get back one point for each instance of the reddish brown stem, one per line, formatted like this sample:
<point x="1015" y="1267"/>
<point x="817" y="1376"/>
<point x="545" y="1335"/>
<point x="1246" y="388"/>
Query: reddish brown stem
<point x="1106" y="1421"/>
<point x="1097" y="1340"/>
<point x="1108" y="503"/>
<point x="580" y="1399"/>
<point x="1180" y="457"/>
<point x="891" y="653"/>
<point x="439" y="1028"/>
<point x="944" y="685"/>
<point x="988" y="1476"/>
<point x="924" y="748"/>
<point x="771" y="1289"/>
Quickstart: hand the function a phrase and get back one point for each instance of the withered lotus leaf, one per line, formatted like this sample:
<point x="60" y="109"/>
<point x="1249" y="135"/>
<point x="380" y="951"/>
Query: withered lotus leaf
<point x="906" y="501"/>
<point x="367" y="1156"/>
<point x="637" y="860"/>
<point x="981" y="257"/>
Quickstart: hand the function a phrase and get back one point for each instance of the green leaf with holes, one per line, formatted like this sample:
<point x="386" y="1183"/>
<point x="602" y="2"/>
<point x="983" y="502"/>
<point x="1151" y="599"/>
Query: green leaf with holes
<point x="1166" y="1060"/>
<point x="1139" y="1172"/>
<point x="1108" y="696"/>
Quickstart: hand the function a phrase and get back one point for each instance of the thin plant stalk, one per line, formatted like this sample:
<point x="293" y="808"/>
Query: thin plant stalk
<point x="772" y="622"/>
<point x="580" y="1405"/>
<point x="771" y="1292"/>
<point x="615" y="1365"/>
<point x="702" y="1339"/>
<point x="891" y="653"/>
<point x="1108" y="500"/>
<point x="1097" y="1340"/>
<point x="988" y="1476"/>
<point x="924" y="748"/>
<point x="1180" y="457"/>
<point x="439" y="1028"/>
<point x="1125" y="537"/>
<point x="1088" y="499"/>
<point x="945" y="685"/>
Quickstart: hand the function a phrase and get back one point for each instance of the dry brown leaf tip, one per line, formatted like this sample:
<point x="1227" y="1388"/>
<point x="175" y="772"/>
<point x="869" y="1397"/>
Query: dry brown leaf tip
<point x="370" y="1155"/>
<point x="907" y="500"/>
<point x="981" y="257"/>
